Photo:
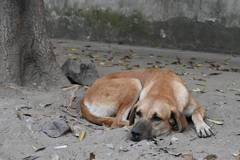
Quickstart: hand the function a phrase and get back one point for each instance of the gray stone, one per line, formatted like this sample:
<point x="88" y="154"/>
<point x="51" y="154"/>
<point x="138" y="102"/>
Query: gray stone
<point x="56" y="128"/>
<point x="80" y="71"/>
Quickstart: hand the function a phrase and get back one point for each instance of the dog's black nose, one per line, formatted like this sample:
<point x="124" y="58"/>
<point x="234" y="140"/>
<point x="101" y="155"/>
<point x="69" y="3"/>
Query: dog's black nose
<point x="136" y="133"/>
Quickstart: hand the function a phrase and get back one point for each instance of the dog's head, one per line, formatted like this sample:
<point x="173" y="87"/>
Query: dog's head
<point x="152" y="118"/>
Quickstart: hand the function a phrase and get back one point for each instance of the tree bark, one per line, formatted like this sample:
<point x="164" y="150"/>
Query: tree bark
<point x="26" y="53"/>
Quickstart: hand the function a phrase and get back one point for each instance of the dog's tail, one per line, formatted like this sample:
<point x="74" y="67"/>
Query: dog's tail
<point x="95" y="119"/>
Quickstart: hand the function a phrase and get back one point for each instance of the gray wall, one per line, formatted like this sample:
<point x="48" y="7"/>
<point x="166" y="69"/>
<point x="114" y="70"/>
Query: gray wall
<point x="205" y="25"/>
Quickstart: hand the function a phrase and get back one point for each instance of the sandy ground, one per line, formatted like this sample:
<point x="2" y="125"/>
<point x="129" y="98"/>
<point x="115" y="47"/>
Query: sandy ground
<point x="20" y="138"/>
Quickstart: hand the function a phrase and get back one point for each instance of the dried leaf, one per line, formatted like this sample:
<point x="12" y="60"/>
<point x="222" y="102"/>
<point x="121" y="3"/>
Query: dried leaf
<point x="200" y="84"/>
<point x="81" y="135"/>
<point x="126" y="57"/>
<point x="92" y="156"/>
<point x="102" y="63"/>
<point x="174" y="139"/>
<point x="18" y="116"/>
<point x="233" y="89"/>
<point x="96" y="56"/>
<point x="99" y="60"/>
<point x="11" y="87"/>
<point x="60" y="147"/>
<point x="130" y="50"/>
<point x="123" y="149"/>
<point x="110" y="59"/>
<point x="72" y="49"/>
<point x="152" y="57"/>
<point x="226" y="59"/>
<point x="40" y="149"/>
<point x="220" y="90"/>
<point x="198" y="90"/>
<point x="215" y="122"/>
<point x="238" y="100"/>
<point x="73" y="58"/>
<point x="213" y="74"/>
<point x="110" y="146"/>
<point x="30" y="158"/>
<point x="44" y="104"/>
<point x="186" y="155"/>
<point x="199" y="65"/>
<point x="236" y="155"/>
<point x="136" y="57"/>
<point x="210" y="157"/>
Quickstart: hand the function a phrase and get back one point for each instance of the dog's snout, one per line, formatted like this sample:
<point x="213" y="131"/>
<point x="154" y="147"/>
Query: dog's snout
<point x="136" y="133"/>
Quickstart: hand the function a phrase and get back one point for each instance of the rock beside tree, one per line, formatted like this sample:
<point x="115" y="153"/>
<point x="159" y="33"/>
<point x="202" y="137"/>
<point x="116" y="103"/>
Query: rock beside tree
<point x="80" y="71"/>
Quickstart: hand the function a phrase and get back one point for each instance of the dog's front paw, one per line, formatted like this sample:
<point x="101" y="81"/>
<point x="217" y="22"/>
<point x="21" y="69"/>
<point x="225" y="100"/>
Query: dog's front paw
<point x="204" y="130"/>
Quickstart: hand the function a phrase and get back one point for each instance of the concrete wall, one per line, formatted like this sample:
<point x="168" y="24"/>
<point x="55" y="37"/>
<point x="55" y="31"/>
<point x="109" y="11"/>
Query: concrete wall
<point x="205" y="25"/>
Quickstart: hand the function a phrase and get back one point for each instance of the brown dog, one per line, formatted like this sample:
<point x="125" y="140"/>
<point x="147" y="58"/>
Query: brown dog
<point x="152" y="98"/>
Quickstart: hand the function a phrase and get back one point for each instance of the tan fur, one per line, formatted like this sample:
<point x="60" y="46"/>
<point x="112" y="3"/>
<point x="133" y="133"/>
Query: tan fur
<point x="163" y="99"/>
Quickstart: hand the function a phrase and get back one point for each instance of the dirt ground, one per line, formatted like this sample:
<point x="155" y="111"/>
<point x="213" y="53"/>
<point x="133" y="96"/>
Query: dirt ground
<point x="212" y="78"/>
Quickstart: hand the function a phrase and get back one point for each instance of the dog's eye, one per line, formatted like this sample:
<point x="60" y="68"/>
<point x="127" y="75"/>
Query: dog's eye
<point x="139" y="113"/>
<point x="155" y="118"/>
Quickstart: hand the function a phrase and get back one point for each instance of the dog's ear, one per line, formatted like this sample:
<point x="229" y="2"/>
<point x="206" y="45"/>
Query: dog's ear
<point x="132" y="115"/>
<point x="180" y="119"/>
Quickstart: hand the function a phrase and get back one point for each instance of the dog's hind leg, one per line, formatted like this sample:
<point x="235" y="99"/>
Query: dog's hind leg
<point x="131" y="96"/>
<point x="108" y="101"/>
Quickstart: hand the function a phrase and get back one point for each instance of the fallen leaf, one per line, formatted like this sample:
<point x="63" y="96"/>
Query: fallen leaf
<point x="233" y="89"/>
<point x="60" y="147"/>
<point x="200" y="84"/>
<point x="186" y="155"/>
<point x="96" y="56"/>
<point x="73" y="58"/>
<point x="236" y="155"/>
<point x="123" y="149"/>
<point x="130" y="50"/>
<point x="40" y="149"/>
<point x="102" y="63"/>
<point x="126" y="57"/>
<point x="18" y="116"/>
<point x="81" y="135"/>
<point x="205" y="75"/>
<point x="210" y="157"/>
<point x="72" y="49"/>
<point x="11" y="87"/>
<point x="110" y="146"/>
<point x="213" y="74"/>
<point x="226" y="59"/>
<point x="152" y="57"/>
<point x="92" y="156"/>
<point x="99" y="60"/>
<point x="199" y="90"/>
<point x="34" y="147"/>
<point x="215" y="122"/>
<point x="199" y="65"/>
<point x="219" y="90"/>
<point x="30" y="158"/>
<point x="174" y="139"/>
<point x="238" y="100"/>
<point x="44" y="104"/>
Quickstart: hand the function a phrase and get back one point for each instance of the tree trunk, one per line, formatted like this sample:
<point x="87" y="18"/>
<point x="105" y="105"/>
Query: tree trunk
<point x="26" y="53"/>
